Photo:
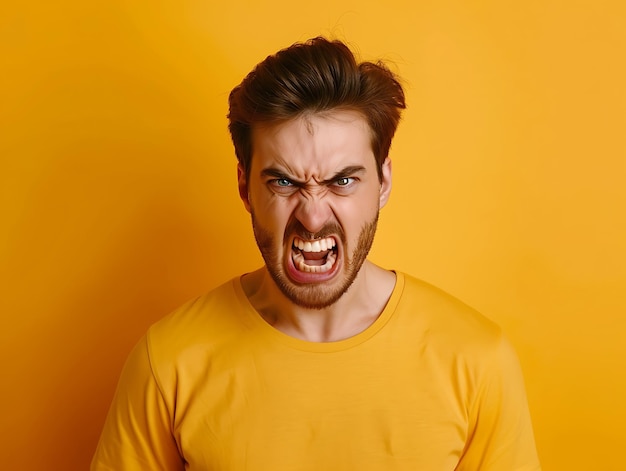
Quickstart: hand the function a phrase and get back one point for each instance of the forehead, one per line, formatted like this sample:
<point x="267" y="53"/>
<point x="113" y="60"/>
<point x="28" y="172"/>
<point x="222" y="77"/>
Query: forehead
<point x="313" y="143"/>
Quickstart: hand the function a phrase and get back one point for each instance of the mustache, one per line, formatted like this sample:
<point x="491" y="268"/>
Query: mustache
<point x="295" y="227"/>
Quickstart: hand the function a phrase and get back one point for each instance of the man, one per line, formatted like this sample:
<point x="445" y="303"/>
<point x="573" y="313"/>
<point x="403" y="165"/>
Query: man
<point x="320" y="360"/>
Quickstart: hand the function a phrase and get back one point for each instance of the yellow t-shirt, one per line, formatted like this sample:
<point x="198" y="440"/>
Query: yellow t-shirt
<point x="431" y="385"/>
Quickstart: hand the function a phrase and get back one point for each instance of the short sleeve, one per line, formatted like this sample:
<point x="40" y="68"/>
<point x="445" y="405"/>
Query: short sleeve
<point x="500" y="436"/>
<point x="137" y="434"/>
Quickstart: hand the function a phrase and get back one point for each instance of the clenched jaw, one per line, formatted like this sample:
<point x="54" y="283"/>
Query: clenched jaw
<point x="317" y="256"/>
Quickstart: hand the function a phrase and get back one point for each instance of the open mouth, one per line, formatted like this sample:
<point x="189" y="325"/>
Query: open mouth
<point x="318" y="256"/>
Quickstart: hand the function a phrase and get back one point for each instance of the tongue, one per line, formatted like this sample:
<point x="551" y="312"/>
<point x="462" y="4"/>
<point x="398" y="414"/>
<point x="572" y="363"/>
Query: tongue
<point x="315" y="255"/>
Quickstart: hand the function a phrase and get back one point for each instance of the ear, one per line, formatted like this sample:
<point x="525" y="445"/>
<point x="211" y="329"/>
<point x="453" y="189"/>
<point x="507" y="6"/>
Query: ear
<point x="242" y="182"/>
<point x="385" y="184"/>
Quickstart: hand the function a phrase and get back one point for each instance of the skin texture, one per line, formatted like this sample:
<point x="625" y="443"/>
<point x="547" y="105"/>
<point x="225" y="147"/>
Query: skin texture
<point x="315" y="177"/>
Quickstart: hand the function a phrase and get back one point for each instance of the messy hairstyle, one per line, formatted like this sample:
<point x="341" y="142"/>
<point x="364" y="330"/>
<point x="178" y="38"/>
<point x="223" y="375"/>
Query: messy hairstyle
<point x="315" y="76"/>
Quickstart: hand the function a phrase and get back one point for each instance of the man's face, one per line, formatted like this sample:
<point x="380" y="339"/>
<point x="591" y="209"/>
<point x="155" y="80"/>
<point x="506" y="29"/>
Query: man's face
<point x="314" y="194"/>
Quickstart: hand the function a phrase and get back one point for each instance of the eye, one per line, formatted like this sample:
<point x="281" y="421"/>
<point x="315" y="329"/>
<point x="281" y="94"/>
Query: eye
<point x="344" y="185"/>
<point x="344" y="181"/>
<point x="282" y="186"/>
<point x="282" y="182"/>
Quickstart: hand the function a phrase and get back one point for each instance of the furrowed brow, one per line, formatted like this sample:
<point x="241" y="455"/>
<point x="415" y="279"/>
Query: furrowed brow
<point x="348" y="171"/>
<point x="276" y="173"/>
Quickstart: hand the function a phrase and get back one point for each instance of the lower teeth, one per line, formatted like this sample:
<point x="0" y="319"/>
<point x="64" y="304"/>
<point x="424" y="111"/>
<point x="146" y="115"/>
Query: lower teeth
<point x="300" y="264"/>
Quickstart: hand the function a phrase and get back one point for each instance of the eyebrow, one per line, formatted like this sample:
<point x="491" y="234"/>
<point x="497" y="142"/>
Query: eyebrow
<point x="343" y="173"/>
<point x="274" y="172"/>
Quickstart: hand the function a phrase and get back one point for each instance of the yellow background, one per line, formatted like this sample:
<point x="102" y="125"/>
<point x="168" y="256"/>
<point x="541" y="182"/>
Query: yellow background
<point x="119" y="200"/>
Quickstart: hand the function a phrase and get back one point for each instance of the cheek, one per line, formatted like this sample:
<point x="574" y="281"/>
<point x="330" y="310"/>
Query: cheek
<point x="273" y="211"/>
<point x="362" y="207"/>
<point x="354" y="216"/>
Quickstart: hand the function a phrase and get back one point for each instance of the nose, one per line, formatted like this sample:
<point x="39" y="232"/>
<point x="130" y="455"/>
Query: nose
<point x="313" y="212"/>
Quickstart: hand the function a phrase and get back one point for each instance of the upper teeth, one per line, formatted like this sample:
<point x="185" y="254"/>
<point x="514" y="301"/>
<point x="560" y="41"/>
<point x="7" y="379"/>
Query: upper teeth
<point x="320" y="245"/>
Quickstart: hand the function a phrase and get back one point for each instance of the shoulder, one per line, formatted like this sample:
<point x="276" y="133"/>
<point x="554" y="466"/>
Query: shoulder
<point x="445" y="321"/>
<point x="206" y="320"/>
<point x="455" y="338"/>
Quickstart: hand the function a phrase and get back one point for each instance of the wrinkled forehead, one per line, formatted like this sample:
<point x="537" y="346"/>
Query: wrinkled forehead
<point x="307" y="120"/>
<point x="313" y="140"/>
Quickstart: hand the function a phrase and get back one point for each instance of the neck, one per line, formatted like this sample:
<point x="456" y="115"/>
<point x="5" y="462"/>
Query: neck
<point x="354" y="312"/>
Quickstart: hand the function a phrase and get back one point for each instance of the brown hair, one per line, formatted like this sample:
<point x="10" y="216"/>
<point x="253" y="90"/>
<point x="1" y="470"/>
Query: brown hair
<point x="315" y="76"/>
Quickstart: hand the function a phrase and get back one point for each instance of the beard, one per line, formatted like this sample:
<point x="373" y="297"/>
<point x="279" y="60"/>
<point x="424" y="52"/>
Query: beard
<point x="314" y="295"/>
